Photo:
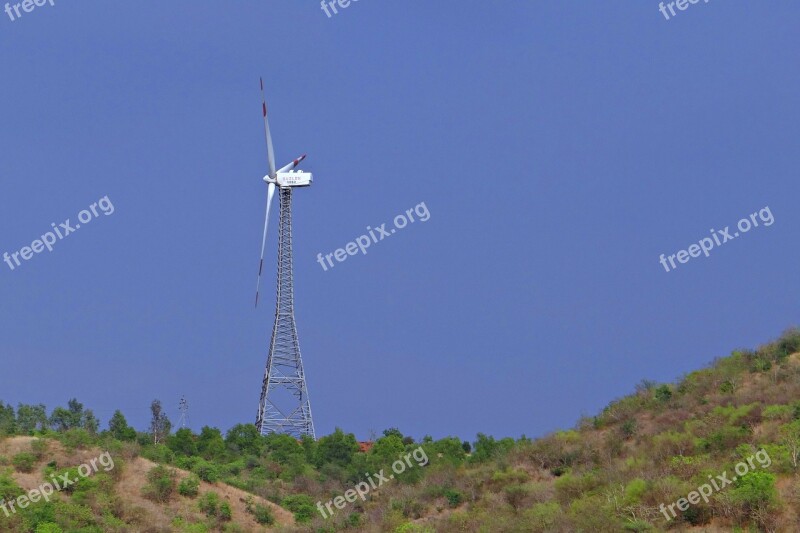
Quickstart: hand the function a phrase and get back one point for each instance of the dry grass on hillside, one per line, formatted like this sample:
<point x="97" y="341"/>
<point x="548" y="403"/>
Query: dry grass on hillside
<point x="135" y="509"/>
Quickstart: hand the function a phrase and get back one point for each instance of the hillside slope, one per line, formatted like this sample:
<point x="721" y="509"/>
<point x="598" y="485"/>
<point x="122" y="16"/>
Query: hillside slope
<point x="123" y="496"/>
<point x="716" y="451"/>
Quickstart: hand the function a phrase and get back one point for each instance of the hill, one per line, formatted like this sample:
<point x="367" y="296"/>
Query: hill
<point x="716" y="451"/>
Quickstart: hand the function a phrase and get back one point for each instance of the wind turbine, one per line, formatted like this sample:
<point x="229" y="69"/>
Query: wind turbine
<point x="283" y="177"/>
<point x="284" y="406"/>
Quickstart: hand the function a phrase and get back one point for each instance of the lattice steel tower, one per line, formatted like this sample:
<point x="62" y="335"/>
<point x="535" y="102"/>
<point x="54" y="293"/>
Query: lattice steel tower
<point x="285" y="406"/>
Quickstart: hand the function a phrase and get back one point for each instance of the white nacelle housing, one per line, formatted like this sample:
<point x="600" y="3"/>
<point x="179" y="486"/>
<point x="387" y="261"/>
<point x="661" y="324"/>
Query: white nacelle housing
<point x="294" y="179"/>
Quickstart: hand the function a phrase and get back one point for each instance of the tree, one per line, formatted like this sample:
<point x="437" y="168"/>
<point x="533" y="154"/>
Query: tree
<point x="90" y="422"/>
<point x="244" y="438"/>
<point x="755" y="490"/>
<point x="119" y="428"/>
<point x="284" y="449"/>
<point x="182" y="442"/>
<point x="31" y="418"/>
<point x="486" y="447"/>
<point x="61" y="419"/>
<point x="338" y="448"/>
<point x="210" y="444"/>
<point x="392" y="431"/>
<point x="790" y="437"/>
<point x="8" y="422"/>
<point x="160" y="425"/>
<point x="74" y="417"/>
<point x="387" y="449"/>
<point x="451" y="450"/>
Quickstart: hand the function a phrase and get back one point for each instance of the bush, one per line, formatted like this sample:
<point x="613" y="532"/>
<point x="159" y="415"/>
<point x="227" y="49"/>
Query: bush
<point x="160" y="484"/>
<point x="206" y="471"/>
<point x="755" y="489"/>
<point x="778" y="412"/>
<point x="543" y="516"/>
<point x="663" y="394"/>
<point x="629" y="428"/>
<point x="301" y="505"/>
<point x="570" y="487"/>
<point x="454" y="497"/>
<point x="634" y="491"/>
<point x="48" y="527"/>
<point x="353" y="520"/>
<point x="262" y="514"/>
<point x="516" y="495"/>
<point x="209" y="503"/>
<point x="189" y="486"/>
<point x="225" y="512"/>
<point x="76" y="439"/>
<point x="39" y="448"/>
<point x="487" y="448"/>
<point x="24" y="462"/>
<point x="760" y="365"/>
<point x="9" y="489"/>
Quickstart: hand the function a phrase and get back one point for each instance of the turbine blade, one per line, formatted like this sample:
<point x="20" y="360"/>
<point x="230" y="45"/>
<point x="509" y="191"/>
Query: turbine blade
<point x="270" y="151"/>
<point x="293" y="164"/>
<point x="270" y="194"/>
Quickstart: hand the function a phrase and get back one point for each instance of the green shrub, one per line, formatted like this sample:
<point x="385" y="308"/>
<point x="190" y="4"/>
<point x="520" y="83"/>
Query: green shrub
<point x="629" y="428"/>
<point x="39" y="448"/>
<point x="454" y="497"/>
<point x="778" y="412"/>
<point x="634" y="491"/>
<point x="225" y="512"/>
<point x="8" y="487"/>
<point x="755" y="489"/>
<point x="353" y="520"/>
<point x="516" y="495"/>
<point x="592" y="513"/>
<point x="160" y="484"/>
<point x="209" y="503"/>
<point x="413" y="528"/>
<point x="206" y="471"/>
<point x="262" y="514"/>
<point x="189" y="486"/>
<point x="571" y="486"/>
<point x="301" y="505"/>
<point x="24" y="462"/>
<point x="663" y="394"/>
<point x="760" y="365"/>
<point x="542" y="517"/>
<point x="48" y="527"/>
<point x="76" y="439"/>
<point x="637" y="525"/>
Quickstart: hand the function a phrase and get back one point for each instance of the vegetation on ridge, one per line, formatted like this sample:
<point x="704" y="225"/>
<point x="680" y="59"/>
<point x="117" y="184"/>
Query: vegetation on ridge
<point x="612" y="472"/>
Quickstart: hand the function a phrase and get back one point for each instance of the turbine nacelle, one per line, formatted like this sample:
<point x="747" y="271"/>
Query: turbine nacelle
<point x="294" y="179"/>
<point x="287" y="177"/>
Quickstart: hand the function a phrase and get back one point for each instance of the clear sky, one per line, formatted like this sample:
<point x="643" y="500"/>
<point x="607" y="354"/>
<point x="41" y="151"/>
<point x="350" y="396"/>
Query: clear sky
<point x="560" y="148"/>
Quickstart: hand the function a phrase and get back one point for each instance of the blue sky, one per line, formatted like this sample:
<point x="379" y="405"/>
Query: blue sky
<point x="560" y="148"/>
